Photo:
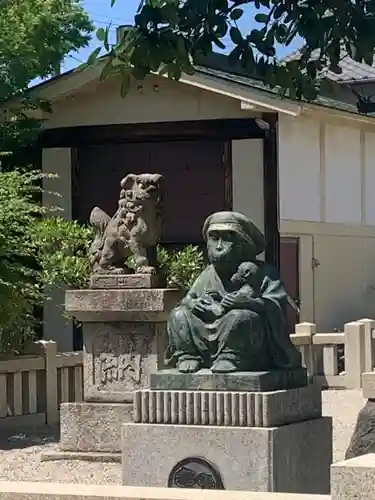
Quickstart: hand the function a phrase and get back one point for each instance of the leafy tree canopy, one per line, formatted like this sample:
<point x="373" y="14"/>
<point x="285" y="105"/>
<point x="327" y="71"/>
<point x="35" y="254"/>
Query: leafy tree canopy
<point x="172" y="35"/>
<point x="35" y="36"/>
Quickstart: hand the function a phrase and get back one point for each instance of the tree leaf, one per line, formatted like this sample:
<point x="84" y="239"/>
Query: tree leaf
<point x="236" y="14"/>
<point x="235" y="35"/>
<point x="100" y="34"/>
<point x="234" y="56"/>
<point x="279" y="11"/>
<point x="93" y="56"/>
<point x="113" y="2"/>
<point x="106" y="37"/>
<point x="107" y="70"/>
<point x="261" y="18"/>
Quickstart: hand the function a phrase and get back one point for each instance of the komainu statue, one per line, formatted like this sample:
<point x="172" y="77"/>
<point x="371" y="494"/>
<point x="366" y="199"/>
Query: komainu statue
<point x="133" y="230"/>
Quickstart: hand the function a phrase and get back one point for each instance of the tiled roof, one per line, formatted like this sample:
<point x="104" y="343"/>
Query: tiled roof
<point x="352" y="71"/>
<point x="326" y="102"/>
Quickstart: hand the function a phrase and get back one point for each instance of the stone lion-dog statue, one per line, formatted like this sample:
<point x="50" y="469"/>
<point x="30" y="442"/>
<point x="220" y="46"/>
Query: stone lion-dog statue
<point x="133" y="230"/>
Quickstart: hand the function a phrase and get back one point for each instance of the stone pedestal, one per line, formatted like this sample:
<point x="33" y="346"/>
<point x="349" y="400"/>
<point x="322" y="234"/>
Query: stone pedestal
<point x="292" y="458"/>
<point x="229" y="439"/>
<point x="124" y="340"/>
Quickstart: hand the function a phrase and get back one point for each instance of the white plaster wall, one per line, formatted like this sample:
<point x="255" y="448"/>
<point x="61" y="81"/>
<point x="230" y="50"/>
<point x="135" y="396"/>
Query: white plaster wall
<point x="159" y="100"/>
<point x="58" y="161"/>
<point x="327" y="170"/>
<point x="299" y="168"/>
<point x="342" y="155"/>
<point x="247" y="179"/>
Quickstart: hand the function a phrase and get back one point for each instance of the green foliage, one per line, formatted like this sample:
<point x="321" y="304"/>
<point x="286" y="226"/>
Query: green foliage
<point x="35" y="252"/>
<point x="183" y="267"/>
<point x="35" y="36"/>
<point x="19" y="279"/>
<point x="180" y="268"/>
<point x="170" y="36"/>
<point x="62" y="252"/>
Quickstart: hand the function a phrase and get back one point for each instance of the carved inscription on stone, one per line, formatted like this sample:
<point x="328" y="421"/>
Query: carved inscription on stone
<point x="119" y="358"/>
<point x="119" y="368"/>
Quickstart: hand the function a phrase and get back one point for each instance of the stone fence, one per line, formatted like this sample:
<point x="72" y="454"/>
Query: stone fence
<point x="321" y="353"/>
<point x="33" y="386"/>
<point x="350" y="480"/>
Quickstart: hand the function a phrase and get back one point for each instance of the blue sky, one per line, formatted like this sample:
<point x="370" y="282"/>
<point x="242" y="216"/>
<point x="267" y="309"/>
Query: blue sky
<point x="123" y="12"/>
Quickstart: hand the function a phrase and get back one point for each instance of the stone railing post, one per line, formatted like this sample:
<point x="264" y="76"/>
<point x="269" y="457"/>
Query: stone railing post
<point x="48" y="349"/>
<point x="307" y="350"/>
<point x="369" y="343"/>
<point x="353" y="479"/>
<point x="355" y="358"/>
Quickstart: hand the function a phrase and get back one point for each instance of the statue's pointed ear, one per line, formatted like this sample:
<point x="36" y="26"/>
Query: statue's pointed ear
<point x="128" y="182"/>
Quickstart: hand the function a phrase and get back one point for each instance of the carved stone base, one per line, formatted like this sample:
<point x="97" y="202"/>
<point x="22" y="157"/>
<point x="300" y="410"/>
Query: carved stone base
<point x="119" y="358"/>
<point x="293" y="458"/>
<point x="115" y="281"/>
<point x="205" y="380"/>
<point x="235" y="409"/>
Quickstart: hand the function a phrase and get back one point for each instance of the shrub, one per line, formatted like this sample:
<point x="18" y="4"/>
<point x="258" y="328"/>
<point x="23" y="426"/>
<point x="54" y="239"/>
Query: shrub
<point x="181" y="268"/>
<point x="35" y="251"/>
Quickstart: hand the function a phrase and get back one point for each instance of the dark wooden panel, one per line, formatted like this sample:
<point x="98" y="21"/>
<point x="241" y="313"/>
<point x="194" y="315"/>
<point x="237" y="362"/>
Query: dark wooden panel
<point x="240" y="128"/>
<point x="289" y="271"/>
<point x="196" y="183"/>
<point x="271" y="191"/>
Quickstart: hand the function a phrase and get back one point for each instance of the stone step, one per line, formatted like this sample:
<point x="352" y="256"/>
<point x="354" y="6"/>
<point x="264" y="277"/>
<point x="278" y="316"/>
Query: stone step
<point x="243" y="409"/>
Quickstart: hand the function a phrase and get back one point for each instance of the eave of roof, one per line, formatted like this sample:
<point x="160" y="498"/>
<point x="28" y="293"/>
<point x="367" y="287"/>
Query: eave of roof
<point x="217" y="68"/>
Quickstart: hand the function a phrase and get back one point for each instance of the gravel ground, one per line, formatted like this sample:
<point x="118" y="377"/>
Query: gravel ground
<point x="20" y="450"/>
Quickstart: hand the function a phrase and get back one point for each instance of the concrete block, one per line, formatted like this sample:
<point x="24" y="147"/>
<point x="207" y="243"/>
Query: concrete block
<point x="294" y="458"/>
<point x="205" y="380"/>
<point x="93" y="427"/>
<point x="354" y="479"/>
<point x="244" y="409"/>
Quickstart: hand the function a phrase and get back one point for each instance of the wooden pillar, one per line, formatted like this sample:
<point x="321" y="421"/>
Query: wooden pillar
<point x="271" y="190"/>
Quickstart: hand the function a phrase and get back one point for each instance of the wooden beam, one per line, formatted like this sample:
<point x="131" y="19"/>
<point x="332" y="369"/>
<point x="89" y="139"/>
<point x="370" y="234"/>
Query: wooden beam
<point x="271" y="190"/>
<point x="241" y="128"/>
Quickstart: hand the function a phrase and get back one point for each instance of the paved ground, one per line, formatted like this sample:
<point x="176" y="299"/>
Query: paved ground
<point x="20" y="450"/>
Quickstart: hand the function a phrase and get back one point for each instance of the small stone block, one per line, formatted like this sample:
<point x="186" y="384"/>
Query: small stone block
<point x="293" y="458"/>
<point x="237" y="409"/>
<point x="93" y="427"/>
<point x="368" y="385"/>
<point x="205" y="380"/>
<point x="354" y="478"/>
<point x="127" y="281"/>
<point x="128" y="304"/>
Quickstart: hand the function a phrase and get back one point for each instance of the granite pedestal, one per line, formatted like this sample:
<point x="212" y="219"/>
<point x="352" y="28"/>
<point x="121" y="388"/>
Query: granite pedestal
<point x="124" y="340"/>
<point x="292" y="458"/>
<point x="243" y="439"/>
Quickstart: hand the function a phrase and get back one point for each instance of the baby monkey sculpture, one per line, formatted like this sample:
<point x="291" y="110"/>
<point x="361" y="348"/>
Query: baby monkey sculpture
<point x="133" y="230"/>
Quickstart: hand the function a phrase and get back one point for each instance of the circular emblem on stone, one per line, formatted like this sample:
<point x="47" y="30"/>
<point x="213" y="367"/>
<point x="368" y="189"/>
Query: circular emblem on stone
<point x="196" y="473"/>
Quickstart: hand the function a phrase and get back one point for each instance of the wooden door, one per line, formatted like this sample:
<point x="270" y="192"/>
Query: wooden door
<point x="289" y="271"/>
<point x="194" y="175"/>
